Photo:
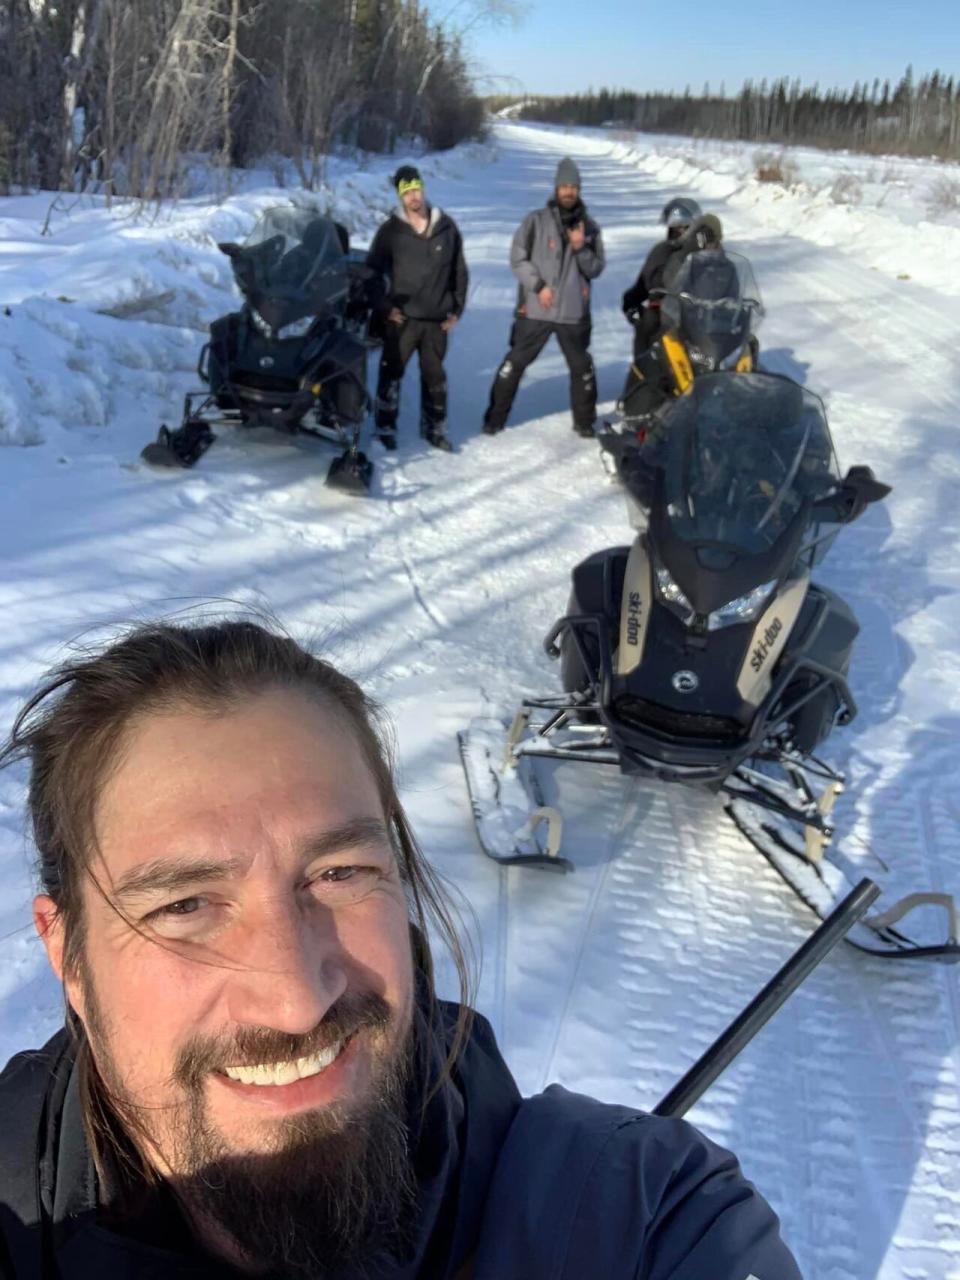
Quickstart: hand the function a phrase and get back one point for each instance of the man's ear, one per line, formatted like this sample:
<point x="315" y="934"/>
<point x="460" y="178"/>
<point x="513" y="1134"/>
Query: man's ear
<point x="49" y="925"/>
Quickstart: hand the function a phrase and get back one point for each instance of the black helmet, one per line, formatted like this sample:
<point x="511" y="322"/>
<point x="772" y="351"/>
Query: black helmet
<point x="680" y="212"/>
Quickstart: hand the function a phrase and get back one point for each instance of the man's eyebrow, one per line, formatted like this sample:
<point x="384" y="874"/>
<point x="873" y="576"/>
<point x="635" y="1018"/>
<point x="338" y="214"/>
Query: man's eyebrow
<point x="168" y="875"/>
<point x="359" y="832"/>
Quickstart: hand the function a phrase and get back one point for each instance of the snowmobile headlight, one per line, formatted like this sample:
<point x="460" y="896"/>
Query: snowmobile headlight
<point x="672" y="595"/>
<point x="744" y="609"/>
<point x="260" y="324"/>
<point x="297" y="328"/>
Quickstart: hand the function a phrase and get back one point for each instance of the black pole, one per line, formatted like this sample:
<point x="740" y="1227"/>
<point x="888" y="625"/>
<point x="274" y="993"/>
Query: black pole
<point x="762" y="1008"/>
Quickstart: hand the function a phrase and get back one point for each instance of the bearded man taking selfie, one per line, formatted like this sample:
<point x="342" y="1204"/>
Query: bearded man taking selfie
<point x="256" y="1076"/>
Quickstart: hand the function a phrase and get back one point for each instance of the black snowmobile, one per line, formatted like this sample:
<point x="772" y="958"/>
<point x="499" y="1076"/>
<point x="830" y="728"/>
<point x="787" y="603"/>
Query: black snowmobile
<point x="294" y="356"/>
<point x="705" y="654"/>
<point x="710" y="312"/>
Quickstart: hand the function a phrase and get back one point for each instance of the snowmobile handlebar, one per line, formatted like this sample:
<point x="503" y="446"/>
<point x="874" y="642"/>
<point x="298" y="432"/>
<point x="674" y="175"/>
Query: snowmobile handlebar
<point x="774" y="995"/>
<point x="596" y="623"/>
<point x="851" y="497"/>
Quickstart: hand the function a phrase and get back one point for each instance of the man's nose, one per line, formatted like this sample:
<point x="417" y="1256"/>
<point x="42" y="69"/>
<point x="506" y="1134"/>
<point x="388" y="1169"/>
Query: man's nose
<point x="291" y="967"/>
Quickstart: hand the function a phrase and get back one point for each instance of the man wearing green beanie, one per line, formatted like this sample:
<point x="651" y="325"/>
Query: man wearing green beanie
<point x="420" y="252"/>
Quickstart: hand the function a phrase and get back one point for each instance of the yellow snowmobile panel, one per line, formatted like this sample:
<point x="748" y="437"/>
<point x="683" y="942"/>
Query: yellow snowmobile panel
<point x="679" y="363"/>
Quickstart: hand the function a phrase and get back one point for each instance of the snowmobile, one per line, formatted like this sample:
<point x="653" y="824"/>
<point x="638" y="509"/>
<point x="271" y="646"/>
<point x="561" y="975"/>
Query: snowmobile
<point x="705" y="654"/>
<point x="710" y="312"/>
<point x="294" y="356"/>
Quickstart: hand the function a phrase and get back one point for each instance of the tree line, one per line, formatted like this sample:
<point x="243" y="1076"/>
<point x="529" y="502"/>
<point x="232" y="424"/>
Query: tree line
<point x="913" y="117"/>
<point x="115" y="95"/>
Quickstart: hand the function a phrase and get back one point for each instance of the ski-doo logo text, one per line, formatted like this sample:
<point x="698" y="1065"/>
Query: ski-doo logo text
<point x="685" y="681"/>
<point x="765" y="644"/>
<point x="634" y="618"/>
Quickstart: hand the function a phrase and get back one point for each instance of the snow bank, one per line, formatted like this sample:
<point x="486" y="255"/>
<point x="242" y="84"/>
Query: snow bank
<point x="894" y="213"/>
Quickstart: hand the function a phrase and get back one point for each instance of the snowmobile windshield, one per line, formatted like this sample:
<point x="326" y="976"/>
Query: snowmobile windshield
<point x="715" y="303"/>
<point x="292" y="265"/>
<point x="744" y="456"/>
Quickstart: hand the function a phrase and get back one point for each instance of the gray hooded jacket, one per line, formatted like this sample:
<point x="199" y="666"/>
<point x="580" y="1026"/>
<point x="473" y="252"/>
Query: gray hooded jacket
<point x="541" y="255"/>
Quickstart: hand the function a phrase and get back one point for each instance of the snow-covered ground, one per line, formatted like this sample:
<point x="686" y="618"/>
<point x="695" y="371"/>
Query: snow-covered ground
<point x="436" y="591"/>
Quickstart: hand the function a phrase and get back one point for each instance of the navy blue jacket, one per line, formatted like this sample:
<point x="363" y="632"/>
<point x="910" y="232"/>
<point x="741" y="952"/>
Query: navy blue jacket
<point x="556" y="1187"/>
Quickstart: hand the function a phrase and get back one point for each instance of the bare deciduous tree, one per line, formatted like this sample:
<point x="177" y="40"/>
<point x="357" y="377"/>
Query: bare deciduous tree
<point x="118" y="95"/>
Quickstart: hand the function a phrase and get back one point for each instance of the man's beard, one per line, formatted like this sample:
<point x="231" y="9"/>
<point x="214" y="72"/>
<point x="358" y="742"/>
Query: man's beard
<point x="336" y="1186"/>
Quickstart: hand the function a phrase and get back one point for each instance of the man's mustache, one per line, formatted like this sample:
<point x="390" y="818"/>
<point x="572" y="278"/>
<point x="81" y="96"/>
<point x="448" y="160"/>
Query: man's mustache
<point x="253" y="1046"/>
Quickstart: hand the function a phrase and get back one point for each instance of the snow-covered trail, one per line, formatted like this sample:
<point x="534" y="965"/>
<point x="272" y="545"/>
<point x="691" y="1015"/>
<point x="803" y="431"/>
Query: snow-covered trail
<point x="436" y="592"/>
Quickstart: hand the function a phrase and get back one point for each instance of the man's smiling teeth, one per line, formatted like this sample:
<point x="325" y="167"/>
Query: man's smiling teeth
<point x="285" y="1072"/>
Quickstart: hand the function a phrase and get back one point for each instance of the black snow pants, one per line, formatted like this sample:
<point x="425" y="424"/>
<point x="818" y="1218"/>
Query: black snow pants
<point x="527" y="340"/>
<point x="400" y="341"/>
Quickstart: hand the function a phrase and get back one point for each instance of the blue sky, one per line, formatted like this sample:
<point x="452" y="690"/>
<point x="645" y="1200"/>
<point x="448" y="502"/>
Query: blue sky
<point x="566" y="46"/>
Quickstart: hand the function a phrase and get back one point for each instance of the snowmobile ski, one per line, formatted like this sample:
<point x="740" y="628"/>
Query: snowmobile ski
<point x="351" y="472"/>
<point x="821" y="884"/>
<point x="508" y="830"/>
<point x="781" y="813"/>
<point x="180" y="448"/>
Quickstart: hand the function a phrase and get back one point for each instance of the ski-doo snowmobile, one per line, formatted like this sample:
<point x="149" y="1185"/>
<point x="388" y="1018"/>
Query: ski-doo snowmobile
<point x="710" y="312"/>
<point x="294" y="356"/>
<point x="705" y="654"/>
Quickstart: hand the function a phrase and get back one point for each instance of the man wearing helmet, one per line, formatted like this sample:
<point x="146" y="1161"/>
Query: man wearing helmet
<point x="641" y="310"/>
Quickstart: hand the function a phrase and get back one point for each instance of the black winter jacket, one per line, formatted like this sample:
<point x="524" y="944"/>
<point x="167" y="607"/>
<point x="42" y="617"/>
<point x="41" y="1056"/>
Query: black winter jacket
<point x="557" y="1187"/>
<point x="427" y="273"/>
<point x="651" y="275"/>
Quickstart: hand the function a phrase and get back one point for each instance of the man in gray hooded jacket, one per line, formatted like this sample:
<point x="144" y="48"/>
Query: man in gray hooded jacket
<point x="556" y="252"/>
